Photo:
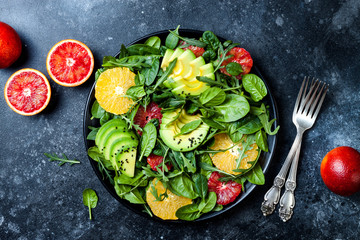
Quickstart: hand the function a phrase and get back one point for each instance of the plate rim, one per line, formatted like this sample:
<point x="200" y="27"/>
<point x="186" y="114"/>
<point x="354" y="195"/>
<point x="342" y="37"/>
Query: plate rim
<point x="249" y="189"/>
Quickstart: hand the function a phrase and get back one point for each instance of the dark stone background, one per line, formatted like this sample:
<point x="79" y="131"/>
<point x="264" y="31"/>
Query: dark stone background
<point x="287" y="39"/>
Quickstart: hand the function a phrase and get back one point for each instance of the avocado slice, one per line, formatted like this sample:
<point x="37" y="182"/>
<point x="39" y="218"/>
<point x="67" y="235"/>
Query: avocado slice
<point x="118" y="143"/>
<point x="183" y="143"/>
<point x="176" y="53"/>
<point x="105" y="129"/>
<point x="183" y="67"/>
<point x="195" y="66"/>
<point x="166" y="58"/>
<point x="126" y="161"/>
<point x="185" y="90"/>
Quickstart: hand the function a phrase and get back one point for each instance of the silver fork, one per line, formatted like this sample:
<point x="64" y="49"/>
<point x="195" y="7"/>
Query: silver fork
<point x="307" y="107"/>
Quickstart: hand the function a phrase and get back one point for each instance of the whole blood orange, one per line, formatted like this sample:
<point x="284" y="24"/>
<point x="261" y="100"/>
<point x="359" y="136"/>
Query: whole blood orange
<point x="10" y="45"/>
<point x="340" y="170"/>
<point x="70" y="63"/>
<point x="27" y="92"/>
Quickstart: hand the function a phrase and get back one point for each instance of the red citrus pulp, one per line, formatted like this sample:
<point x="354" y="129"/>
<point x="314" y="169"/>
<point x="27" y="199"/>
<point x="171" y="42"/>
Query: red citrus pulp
<point x="340" y="170"/>
<point x="27" y="92"/>
<point x="70" y="63"/>
<point x="10" y="45"/>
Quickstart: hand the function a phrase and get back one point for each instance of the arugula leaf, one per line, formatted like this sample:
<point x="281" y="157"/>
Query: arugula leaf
<point x="90" y="199"/>
<point x="190" y="41"/>
<point x="167" y="72"/>
<point x="63" y="160"/>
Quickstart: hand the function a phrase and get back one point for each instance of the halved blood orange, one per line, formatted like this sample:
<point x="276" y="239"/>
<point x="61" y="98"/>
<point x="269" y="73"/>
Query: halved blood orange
<point x="27" y="92"/>
<point x="70" y="63"/>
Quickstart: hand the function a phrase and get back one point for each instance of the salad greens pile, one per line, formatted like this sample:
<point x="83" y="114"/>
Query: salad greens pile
<point x="229" y="105"/>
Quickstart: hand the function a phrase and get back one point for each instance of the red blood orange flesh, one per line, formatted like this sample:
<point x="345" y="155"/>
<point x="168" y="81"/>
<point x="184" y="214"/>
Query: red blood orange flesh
<point x="70" y="63"/>
<point x="27" y="92"/>
<point x="340" y="170"/>
<point x="10" y="45"/>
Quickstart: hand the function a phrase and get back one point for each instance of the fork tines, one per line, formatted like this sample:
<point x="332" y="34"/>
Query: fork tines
<point x="308" y="98"/>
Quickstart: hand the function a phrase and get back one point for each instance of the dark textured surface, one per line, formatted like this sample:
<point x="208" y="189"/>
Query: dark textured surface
<point x="287" y="39"/>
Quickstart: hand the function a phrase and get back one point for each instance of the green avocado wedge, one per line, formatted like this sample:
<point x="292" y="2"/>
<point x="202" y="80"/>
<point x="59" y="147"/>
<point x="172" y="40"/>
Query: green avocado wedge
<point x="170" y="130"/>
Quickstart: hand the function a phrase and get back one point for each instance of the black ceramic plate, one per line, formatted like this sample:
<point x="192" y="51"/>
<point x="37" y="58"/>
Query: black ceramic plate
<point x="264" y="160"/>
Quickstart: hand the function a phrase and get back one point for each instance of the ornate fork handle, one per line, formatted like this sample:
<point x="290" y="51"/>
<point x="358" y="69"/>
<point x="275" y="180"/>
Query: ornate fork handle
<point x="272" y="196"/>
<point x="287" y="201"/>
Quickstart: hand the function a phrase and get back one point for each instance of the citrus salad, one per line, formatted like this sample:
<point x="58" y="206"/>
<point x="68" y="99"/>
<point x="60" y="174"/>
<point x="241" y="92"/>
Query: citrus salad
<point x="181" y="124"/>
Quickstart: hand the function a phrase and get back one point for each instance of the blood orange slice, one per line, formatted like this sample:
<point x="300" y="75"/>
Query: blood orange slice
<point x="27" y="92"/>
<point x="70" y="63"/>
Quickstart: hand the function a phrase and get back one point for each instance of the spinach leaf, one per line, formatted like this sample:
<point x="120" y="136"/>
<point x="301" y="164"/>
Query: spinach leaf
<point x="233" y="68"/>
<point x="188" y="212"/>
<point x="256" y="175"/>
<point x="137" y="180"/>
<point x="189" y="127"/>
<point x="212" y="123"/>
<point x="153" y="41"/>
<point x="211" y="40"/>
<point x="201" y="186"/>
<point x="209" y="55"/>
<point x="255" y="86"/>
<point x="205" y="158"/>
<point x="148" y="140"/>
<point x="172" y="39"/>
<point x="90" y="199"/>
<point x="92" y="133"/>
<point x="151" y="73"/>
<point x="249" y="125"/>
<point x="207" y="204"/>
<point x="212" y="97"/>
<point x="98" y="73"/>
<point x="106" y="117"/>
<point x="127" y="192"/>
<point x="142" y="50"/>
<point x="261" y="140"/>
<point x="136" y="91"/>
<point x="96" y="110"/>
<point x="233" y="108"/>
<point x="183" y="186"/>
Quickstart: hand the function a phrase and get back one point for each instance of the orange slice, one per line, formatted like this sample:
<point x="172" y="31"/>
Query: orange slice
<point x="27" y="92"/>
<point x="226" y="161"/>
<point x="70" y="63"/>
<point x="111" y="87"/>
<point x="166" y="208"/>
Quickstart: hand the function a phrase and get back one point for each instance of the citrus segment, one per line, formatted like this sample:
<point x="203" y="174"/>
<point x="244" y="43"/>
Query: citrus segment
<point x="27" y="92"/>
<point x="70" y="63"/>
<point x="111" y="87"/>
<point x="166" y="208"/>
<point x="226" y="161"/>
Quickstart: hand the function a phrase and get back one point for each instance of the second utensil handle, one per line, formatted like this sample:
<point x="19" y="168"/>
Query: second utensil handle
<point x="272" y="196"/>
<point x="287" y="201"/>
